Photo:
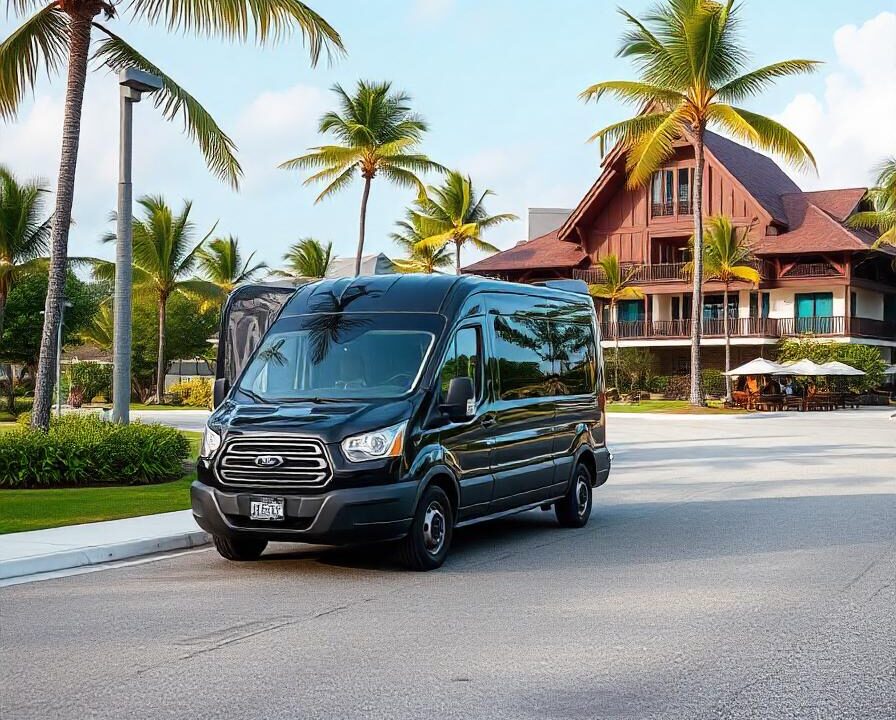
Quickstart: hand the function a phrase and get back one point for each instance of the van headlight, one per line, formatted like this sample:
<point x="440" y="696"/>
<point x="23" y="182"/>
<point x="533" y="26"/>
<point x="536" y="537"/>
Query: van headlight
<point x="211" y="441"/>
<point x="375" y="445"/>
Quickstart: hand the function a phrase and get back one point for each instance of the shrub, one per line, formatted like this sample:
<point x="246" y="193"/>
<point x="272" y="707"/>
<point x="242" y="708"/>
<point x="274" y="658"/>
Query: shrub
<point x="863" y="357"/>
<point x="85" y="450"/>
<point x="91" y="379"/>
<point x="195" y="393"/>
<point x="713" y="382"/>
<point x="679" y="388"/>
<point x="658" y="384"/>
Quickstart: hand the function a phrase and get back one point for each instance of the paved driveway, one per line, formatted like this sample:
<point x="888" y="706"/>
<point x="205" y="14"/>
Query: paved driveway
<point x="738" y="567"/>
<point x="180" y="419"/>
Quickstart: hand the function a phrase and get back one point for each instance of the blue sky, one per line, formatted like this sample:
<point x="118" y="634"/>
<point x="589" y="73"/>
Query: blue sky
<point x="497" y="81"/>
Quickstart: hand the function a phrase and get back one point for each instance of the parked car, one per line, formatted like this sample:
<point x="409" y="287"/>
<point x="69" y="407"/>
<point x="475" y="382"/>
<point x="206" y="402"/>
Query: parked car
<point x="400" y="408"/>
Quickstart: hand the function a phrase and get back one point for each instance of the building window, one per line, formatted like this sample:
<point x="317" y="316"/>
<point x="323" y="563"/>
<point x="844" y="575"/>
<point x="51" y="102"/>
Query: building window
<point x="713" y="306"/>
<point x="672" y="192"/>
<point x="755" y="304"/>
<point x="685" y="191"/>
<point x="852" y="304"/>
<point x="813" y="312"/>
<point x="630" y="310"/>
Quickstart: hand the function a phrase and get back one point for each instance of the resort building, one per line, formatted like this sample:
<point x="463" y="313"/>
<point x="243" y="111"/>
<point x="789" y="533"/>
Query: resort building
<point x="819" y="276"/>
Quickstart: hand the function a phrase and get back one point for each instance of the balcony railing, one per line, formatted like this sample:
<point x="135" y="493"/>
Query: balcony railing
<point x="750" y="327"/>
<point x="802" y="270"/>
<point x="657" y="272"/>
<point x="659" y="209"/>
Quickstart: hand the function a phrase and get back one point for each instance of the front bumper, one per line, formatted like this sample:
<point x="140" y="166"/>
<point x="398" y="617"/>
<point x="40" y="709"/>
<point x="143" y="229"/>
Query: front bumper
<point x="380" y="512"/>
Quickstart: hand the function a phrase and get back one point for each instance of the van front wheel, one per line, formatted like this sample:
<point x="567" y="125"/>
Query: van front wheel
<point x="239" y="549"/>
<point x="574" y="509"/>
<point x="427" y="542"/>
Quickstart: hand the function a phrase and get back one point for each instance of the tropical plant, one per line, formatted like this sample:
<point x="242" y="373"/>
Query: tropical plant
<point x="58" y="36"/>
<point x="100" y="331"/>
<point x="882" y="217"/>
<point x="727" y="256"/>
<point x="222" y="263"/>
<point x="426" y="259"/>
<point x="691" y="60"/>
<point x="165" y="259"/>
<point x="376" y="134"/>
<point x="864" y="357"/>
<point x="453" y="213"/>
<point x="308" y="259"/>
<point x="616" y="286"/>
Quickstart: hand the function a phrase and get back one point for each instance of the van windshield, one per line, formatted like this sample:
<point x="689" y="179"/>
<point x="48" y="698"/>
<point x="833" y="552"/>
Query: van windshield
<point x="341" y="356"/>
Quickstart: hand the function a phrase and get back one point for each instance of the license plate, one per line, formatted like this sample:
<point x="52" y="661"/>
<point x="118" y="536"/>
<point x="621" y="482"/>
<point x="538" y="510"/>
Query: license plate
<point x="266" y="508"/>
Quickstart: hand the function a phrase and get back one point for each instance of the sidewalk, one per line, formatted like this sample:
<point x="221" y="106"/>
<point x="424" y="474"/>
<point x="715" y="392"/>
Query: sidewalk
<point x="64" y="548"/>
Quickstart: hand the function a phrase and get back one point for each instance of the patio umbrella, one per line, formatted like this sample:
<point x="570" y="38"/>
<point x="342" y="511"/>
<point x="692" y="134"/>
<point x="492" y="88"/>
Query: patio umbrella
<point x="890" y="370"/>
<point x="804" y="367"/>
<point x="839" y="368"/>
<point x="759" y="366"/>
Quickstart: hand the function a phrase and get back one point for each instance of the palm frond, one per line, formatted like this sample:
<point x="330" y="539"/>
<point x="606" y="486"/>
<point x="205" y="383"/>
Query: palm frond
<point x="651" y="150"/>
<point x="41" y="40"/>
<point x="216" y="146"/>
<point x="754" y="82"/>
<point x="632" y="92"/>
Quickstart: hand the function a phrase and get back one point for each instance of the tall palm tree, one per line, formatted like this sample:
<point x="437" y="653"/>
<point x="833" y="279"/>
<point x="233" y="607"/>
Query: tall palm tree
<point x="308" y="259"/>
<point x="222" y="263"/>
<point x="453" y="213"/>
<point x="691" y="60"/>
<point x="24" y="231"/>
<point x="165" y="259"/>
<point x="882" y="218"/>
<point x="376" y="134"/>
<point x="57" y="35"/>
<point x="727" y="256"/>
<point x="616" y="286"/>
<point x="419" y="260"/>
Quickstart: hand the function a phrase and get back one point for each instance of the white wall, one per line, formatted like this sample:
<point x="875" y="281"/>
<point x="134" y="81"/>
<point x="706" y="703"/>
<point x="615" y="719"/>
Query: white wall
<point x="869" y="304"/>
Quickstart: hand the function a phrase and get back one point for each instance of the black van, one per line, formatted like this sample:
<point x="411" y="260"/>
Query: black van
<point x="400" y="407"/>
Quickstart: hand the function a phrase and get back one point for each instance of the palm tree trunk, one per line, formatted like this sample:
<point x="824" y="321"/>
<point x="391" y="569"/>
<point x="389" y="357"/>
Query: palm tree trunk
<point x="161" y="366"/>
<point x="727" y="344"/>
<point x="7" y="368"/>
<point x="457" y="258"/>
<point x="696" y="398"/>
<point x="79" y="50"/>
<point x="614" y="323"/>
<point x="363" y="226"/>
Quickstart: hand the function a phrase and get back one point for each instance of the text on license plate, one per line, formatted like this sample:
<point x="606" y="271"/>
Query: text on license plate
<point x="266" y="509"/>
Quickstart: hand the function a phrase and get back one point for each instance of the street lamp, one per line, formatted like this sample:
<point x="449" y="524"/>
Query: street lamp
<point x="65" y="304"/>
<point x="133" y="83"/>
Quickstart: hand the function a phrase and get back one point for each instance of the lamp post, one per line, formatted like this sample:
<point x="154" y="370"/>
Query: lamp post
<point x="62" y="308"/>
<point x="133" y="83"/>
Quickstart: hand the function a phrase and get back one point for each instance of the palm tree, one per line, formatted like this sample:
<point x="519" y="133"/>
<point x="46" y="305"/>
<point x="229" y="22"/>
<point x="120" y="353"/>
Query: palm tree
<point x="222" y="263"/>
<point x="617" y="285"/>
<point x="691" y="61"/>
<point x="24" y="230"/>
<point x="308" y="259"/>
<point x="100" y="332"/>
<point x="453" y="213"/>
<point x="420" y="260"/>
<point x="727" y="256"/>
<point x="58" y="36"/>
<point x="164" y="262"/>
<point x="882" y="218"/>
<point x="376" y="134"/>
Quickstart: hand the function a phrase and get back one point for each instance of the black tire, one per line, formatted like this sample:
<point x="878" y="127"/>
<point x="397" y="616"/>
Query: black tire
<point x="574" y="509"/>
<point x="239" y="549"/>
<point x="429" y="539"/>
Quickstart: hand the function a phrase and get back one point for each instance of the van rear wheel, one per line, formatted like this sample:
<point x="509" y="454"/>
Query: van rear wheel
<point x="238" y="548"/>
<point x="426" y="545"/>
<point x="574" y="509"/>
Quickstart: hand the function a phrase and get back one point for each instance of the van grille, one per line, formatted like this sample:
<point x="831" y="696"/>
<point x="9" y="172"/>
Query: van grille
<point x="273" y="461"/>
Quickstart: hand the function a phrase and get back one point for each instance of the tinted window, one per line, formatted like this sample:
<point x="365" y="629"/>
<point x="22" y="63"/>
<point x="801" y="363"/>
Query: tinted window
<point x="523" y="351"/>
<point x="463" y="359"/>
<point x="574" y="357"/>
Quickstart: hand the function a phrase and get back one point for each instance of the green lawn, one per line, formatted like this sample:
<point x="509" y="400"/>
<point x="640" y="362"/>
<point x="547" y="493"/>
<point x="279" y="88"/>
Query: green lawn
<point x="679" y="407"/>
<point x="36" y="509"/>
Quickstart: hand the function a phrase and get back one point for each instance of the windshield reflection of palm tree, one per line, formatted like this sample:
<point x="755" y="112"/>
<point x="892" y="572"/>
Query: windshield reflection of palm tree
<point x="330" y="324"/>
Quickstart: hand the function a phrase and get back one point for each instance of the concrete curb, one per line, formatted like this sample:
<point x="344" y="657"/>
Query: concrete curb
<point x="98" y="554"/>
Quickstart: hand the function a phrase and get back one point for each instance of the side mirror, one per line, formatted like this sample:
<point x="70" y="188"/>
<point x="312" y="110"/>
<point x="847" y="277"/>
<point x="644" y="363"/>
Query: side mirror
<point x="459" y="403"/>
<point x="219" y="392"/>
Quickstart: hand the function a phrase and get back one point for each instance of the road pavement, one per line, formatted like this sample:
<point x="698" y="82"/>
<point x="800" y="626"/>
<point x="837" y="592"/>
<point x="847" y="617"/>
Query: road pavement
<point x="734" y="567"/>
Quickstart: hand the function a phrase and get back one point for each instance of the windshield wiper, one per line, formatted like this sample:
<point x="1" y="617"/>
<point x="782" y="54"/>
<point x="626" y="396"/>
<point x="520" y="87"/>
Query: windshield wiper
<point x="254" y="396"/>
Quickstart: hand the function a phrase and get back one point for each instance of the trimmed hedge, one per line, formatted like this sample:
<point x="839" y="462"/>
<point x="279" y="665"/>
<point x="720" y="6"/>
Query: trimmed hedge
<point x="85" y="450"/>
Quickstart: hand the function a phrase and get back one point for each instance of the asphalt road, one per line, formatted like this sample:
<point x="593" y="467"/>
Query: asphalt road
<point x="741" y="567"/>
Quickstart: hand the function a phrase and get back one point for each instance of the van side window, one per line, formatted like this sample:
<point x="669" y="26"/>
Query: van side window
<point x="523" y="350"/>
<point x="463" y="359"/>
<point x="574" y="355"/>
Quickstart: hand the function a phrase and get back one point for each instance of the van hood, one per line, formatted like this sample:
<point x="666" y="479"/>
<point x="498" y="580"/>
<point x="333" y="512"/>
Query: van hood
<point x="331" y="422"/>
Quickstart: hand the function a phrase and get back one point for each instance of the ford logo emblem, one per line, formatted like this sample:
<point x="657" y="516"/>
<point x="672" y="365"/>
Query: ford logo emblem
<point x="269" y="461"/>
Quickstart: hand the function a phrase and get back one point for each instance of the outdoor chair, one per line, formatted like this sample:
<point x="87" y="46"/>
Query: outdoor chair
<point x="794" y="402"/>
<point x="770" y="402"/>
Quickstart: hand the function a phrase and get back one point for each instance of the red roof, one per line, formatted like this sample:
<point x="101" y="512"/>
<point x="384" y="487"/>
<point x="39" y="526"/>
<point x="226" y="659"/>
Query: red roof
<point x="839" y="204"/>
<point x="546" y="251"/>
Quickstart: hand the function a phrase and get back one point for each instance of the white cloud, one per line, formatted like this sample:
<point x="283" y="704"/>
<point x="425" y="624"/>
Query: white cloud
<point x="851" y="128"/>
<point x="427" y="11"/>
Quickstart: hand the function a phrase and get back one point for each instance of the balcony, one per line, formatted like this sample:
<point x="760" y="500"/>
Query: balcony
<point x="656" y="273"/>
<point x="751" y="327"/>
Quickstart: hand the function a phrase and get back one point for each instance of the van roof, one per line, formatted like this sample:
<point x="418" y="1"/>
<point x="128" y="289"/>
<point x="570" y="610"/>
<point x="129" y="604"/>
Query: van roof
<point x="406" y="292"/>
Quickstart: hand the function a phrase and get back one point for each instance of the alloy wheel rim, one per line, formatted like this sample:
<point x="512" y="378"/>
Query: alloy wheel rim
<point x="434" y="526"/>
<point x="582" y="495"/>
